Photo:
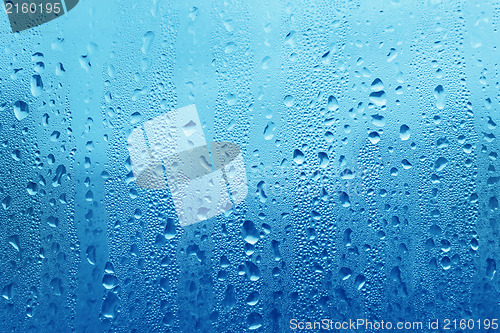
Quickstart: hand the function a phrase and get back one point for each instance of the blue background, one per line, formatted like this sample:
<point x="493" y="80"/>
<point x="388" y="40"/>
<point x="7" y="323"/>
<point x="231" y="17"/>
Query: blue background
<point x="354" y="219"/>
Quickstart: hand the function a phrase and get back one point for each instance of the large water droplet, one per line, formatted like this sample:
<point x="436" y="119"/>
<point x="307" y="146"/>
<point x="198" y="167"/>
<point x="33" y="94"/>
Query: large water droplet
<point x="36" y="85"/>
<point x="379" y="98"/>
<point x="377" y="85"/>
<point x="323" y="159"/>
<point x="374" y="137"/>
<point x="250" y="233"/>
<point x="440" y="97"/>
<point x="404" y="132"/>
<point x="345" y="273"/>
<point x="147" y="41"/>
<point x="359" y="282"/>
<point x="254" y="321"/>
<point x="15" y="242"/>
<point x="21" y="110"/>
<point x="344" y="199"/>
<point x="378" y="120"/>
<point x="110" y="306"/>
<point x="440" y="164"/>
<point x="109" y="281"/>
<point x="298" y="156"/>
<point x="333" y="103"/>
<point x="288" y="100"/>
<point x="446" y="262"/>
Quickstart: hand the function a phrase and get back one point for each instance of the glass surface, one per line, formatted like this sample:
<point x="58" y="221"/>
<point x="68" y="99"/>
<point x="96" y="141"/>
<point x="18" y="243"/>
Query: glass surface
<point x="335" y="160"/>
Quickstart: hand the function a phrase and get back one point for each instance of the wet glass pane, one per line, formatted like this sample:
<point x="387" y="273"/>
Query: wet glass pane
<point x="234" y="166"/>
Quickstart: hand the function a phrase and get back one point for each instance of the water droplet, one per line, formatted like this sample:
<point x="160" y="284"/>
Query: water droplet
<point x="378" y="120"/>
<point x="379" y="98"/>
<point x="229" y="298"/>
<point x="377" y="85"/>
<point x="491" y="268"/>
<point x="170" y="232"/>
<point x="21" y="110"/>
<point x="265" y="62"/>
<point x="36" y="85"/>
<point x="230" y="47"/>
<point x="269" y="130"/>
<point x="91" y="255"/>
<point x="298" y="156"/>
<point x="147" y="41"/>
<point x="406" y="165"/>
<point x="374" y="137"/>
<point x="446" y="263"/>
<point x="323" y="159"/>
<point x="347" y="174"/>
<point x="32" y="188"/>
<point x="250" y="233"/>
<point x="15" y="242"/>
<point x="110" y="306"/>
<point x="254" y="320"/>
<point x="440" y="164"/>
<point x="404" y="132"/>
<point x="52" y="221"/>
<point x="7" y="202"/>
<point x="359" y="282"/>
<point x="253" y="298"/>
<point x="440" y="96"/>
<point x="288" y="100"/>
<point x="231" y="99"/>
<point x="8" y="291"/>
<point x="135" y="118"/>
<point x="345" y="273"/>
<point x="333" y="103"/>
<point x="344" y="199"/>
<point x="109" y="281"/>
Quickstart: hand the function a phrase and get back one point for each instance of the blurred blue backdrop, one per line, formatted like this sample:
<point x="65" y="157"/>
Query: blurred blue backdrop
<point x="369" y="132"/>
